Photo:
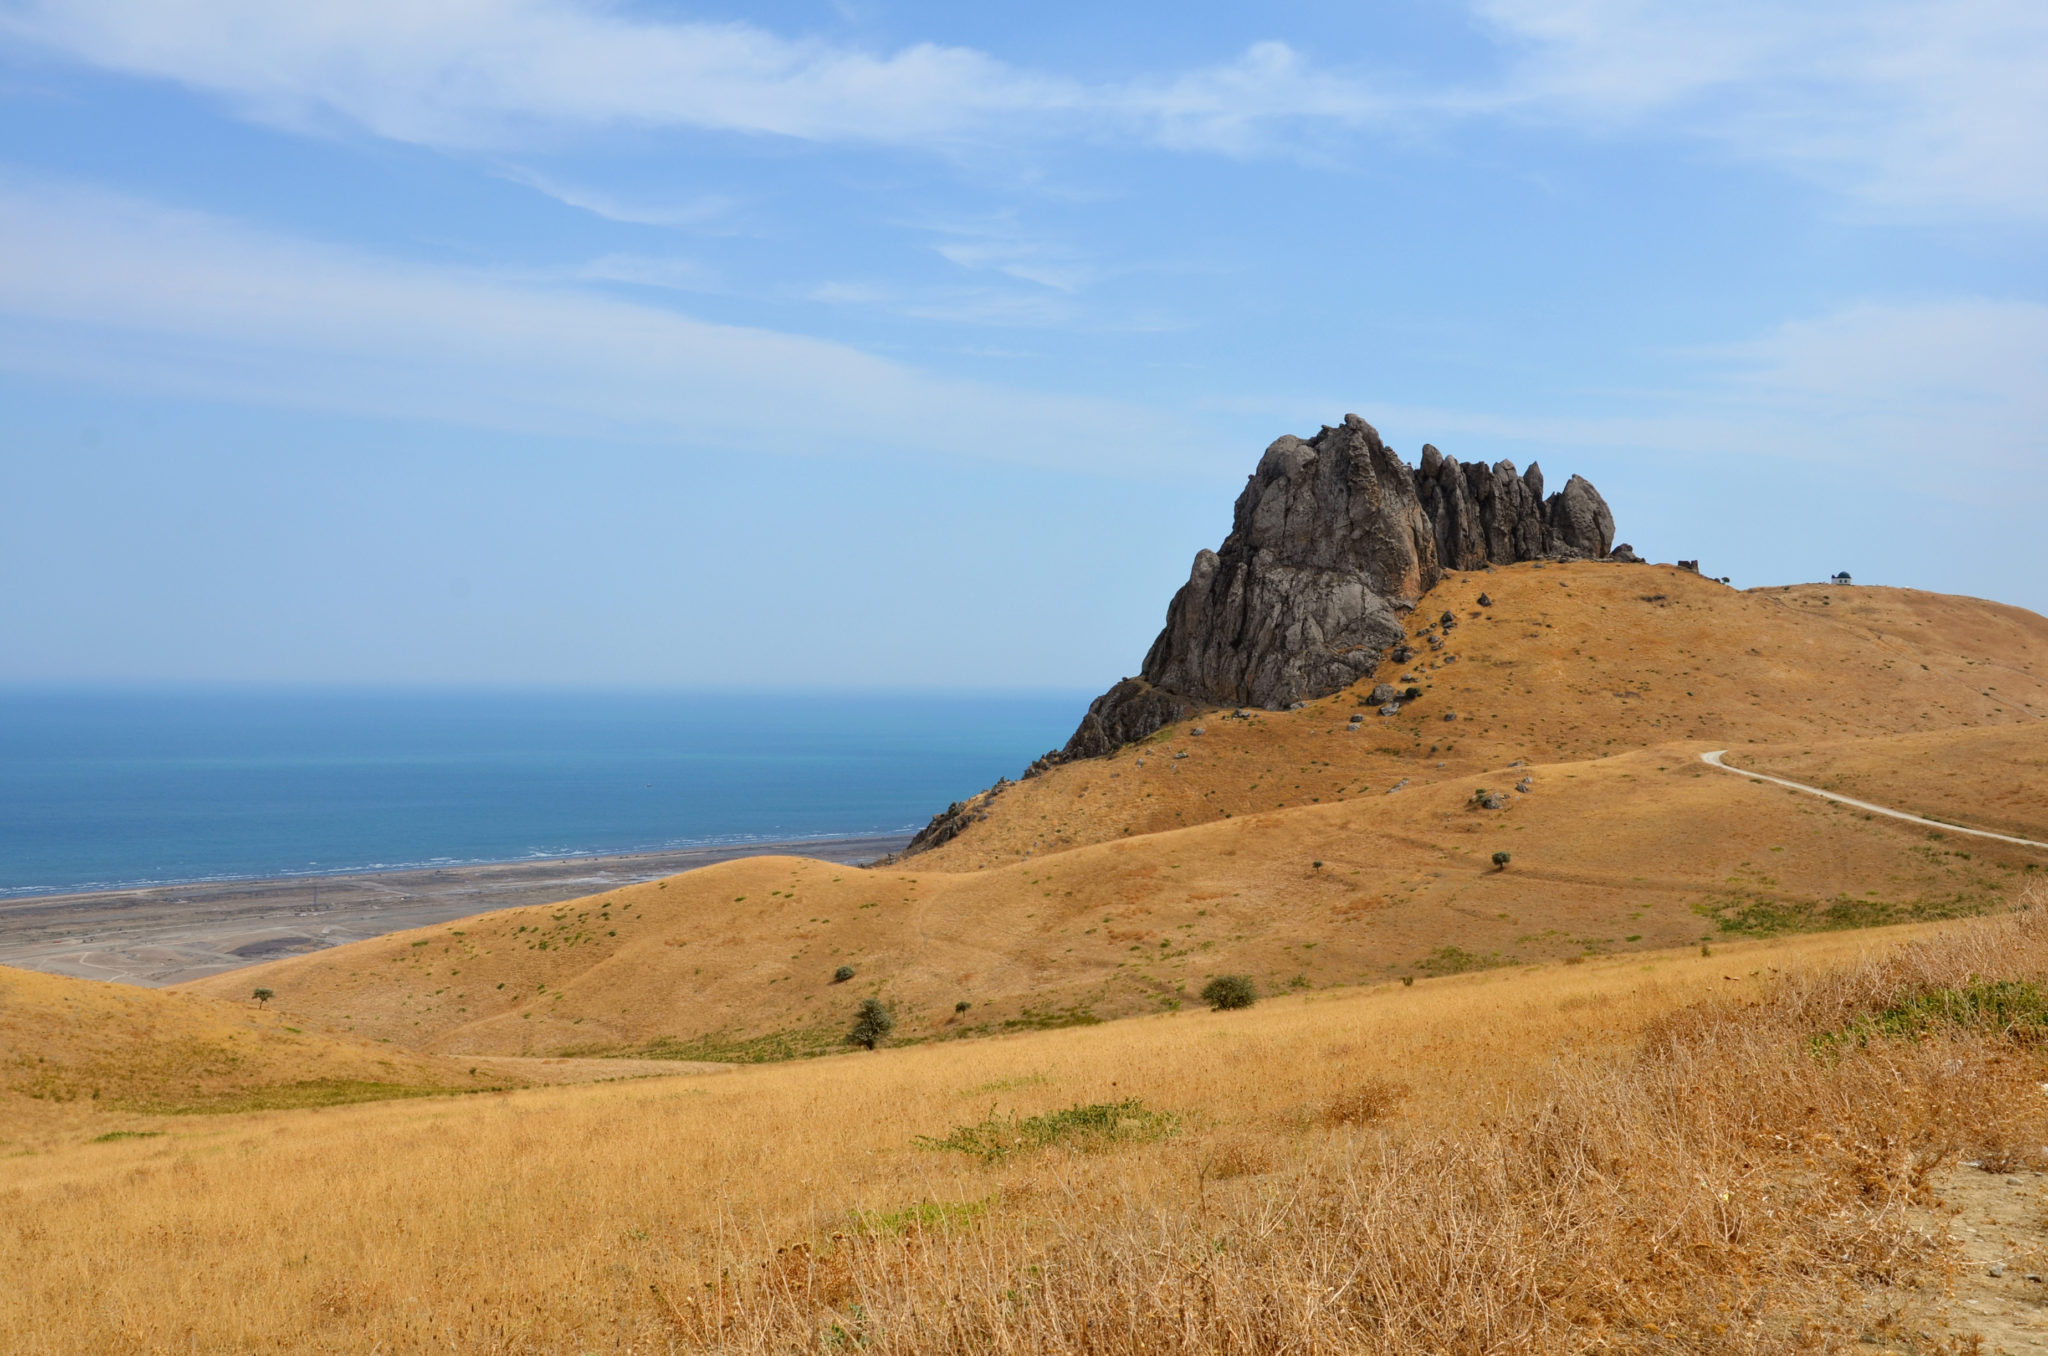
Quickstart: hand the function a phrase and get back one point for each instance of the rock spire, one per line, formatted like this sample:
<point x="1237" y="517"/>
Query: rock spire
<point x="1333" y="538"/>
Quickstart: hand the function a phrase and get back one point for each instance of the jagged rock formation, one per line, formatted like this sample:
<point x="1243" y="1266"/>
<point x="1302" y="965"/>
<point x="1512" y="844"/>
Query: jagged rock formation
<point x="1333" y="538"/>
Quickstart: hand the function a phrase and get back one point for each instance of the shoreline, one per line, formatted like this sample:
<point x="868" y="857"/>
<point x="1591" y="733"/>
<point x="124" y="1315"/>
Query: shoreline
<point x="739" y="847"/>
<point x="158" y="935"/>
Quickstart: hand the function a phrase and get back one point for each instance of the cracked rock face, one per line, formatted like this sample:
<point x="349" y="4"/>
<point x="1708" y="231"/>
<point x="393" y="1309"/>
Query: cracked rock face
<point x="1333" y="539"/>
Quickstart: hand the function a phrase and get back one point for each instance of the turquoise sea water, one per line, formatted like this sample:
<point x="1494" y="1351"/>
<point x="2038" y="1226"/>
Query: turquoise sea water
<point x="102" y="790"/>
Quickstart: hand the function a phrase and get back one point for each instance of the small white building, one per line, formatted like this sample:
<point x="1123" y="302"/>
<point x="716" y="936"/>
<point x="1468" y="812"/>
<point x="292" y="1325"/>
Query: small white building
<point x="1842" y="579"/>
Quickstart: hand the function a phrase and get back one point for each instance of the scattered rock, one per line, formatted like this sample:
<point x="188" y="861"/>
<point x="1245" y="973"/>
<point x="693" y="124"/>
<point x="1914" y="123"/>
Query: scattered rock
<point x="1391" y="709"/>
<point x="1450" y="715"/>
<point x="1382" y="693"/>
<point x="1397" y="786"/>
<point x="1996" y="1269"/>
<point x="1626" y="554"/>
<point x="1486" y="601"/>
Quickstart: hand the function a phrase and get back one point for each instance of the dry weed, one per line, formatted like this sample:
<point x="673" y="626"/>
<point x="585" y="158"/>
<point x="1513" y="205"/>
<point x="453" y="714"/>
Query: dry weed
<point x="1728" y="1188"/>
<point x="1372" y="1100"/>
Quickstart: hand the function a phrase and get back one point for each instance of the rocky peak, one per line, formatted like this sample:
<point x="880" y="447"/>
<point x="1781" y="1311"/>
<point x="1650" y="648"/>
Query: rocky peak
<point x="1333" y="537"/>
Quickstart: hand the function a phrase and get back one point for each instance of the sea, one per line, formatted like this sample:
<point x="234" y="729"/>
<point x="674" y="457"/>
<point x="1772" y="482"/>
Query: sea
<point x="104" y="790"/>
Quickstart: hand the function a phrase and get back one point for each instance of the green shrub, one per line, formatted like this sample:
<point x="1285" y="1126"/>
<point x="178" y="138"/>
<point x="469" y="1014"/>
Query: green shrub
<point x="842" y="974"/>
<point x="1230" y="991"/>
<point x="1501" y="860"/>
<point x="871" y="1024"/>
<point x="2014" y="1009"/>
<point x="1097" y="1125"/>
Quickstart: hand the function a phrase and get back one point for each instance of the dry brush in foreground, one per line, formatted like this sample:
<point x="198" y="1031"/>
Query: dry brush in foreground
<point x="1754" y="1178"/>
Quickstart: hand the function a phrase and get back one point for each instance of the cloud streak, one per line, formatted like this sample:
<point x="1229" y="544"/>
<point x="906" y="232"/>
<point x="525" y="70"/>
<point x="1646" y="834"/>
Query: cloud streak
<point x="1909" y="105"/>
<point x="112" y="289"/>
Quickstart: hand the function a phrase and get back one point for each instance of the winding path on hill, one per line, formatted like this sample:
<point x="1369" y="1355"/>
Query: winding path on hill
<point x="1713" y="759"/>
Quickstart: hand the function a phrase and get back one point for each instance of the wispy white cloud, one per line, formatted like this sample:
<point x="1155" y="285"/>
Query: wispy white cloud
<point x="704" y="210"/>
<point x="106" y="288"/>
<point x="1909" y="105"/>
<point x="1938" y="397"/>
<point x="499" y="73"/>
<point x="673" y="274"/>
<point x="1912" y="105"/>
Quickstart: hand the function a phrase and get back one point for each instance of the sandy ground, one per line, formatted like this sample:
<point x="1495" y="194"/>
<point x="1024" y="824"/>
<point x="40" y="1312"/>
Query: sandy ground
<point x="168" y="934"/>
<point x="1998" y="1220"/>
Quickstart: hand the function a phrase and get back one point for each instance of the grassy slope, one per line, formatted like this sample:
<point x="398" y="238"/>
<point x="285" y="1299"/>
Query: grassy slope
<point x="1989" y="778"/>
<point x="76" y="1054"/>
<point x="1570" y="663"/>
<point x="539" y="1221"/>
<point x="1608" y="688"/>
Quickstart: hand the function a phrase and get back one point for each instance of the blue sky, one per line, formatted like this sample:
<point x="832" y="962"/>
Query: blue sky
<point x="908" y="345"/>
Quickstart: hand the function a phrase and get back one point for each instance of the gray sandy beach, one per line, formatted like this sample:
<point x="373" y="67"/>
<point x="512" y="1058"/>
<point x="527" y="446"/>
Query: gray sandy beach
<point x="167" y="934"/>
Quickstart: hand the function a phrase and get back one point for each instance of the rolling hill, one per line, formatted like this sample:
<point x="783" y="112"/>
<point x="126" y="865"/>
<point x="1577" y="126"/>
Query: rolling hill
<point x="1309" y="849"/>
<point x="75" y="1052"/>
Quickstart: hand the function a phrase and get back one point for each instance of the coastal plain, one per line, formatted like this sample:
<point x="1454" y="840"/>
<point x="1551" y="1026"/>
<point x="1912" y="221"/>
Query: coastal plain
<point x="165" y="934"/>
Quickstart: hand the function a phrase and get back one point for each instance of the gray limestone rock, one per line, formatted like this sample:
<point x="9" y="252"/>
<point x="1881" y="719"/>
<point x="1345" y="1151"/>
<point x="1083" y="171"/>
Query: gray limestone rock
<point x="1303" y="598"/>
<point x="1579" y="520"/>
<point x="1128" y="712"/>
<point x="1333" y="540"/>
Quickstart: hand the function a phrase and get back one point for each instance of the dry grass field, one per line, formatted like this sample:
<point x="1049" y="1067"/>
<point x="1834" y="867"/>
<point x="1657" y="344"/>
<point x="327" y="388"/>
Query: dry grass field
<point x="1650" y="1153"/>
<point x="1993" y="777"/>
<point x="1695" y="1069"/>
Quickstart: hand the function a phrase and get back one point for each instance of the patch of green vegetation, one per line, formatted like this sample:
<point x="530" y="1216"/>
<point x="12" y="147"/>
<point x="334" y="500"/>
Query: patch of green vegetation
<point x="1090" y="1127"/>
<point x="722" y="1048"/>
<point x="1032" y="1019"/>
<point x="288" y="1096"/>
<point x="1031" y="1080"/>
<point x="2013" y="1008"/>
<point x="1455" y="960"/>
<point x="925" y="1216"/>
<point x="1762" y="915"/>
<point x="113" y="1135"/>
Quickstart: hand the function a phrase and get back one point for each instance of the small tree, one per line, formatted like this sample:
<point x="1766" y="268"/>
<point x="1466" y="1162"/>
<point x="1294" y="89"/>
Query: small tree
<point x="961" y="1006"/>
<point x="842" y="974"/>
<point x="1501" y="860"/>
<point x="871" y="1024"/>
<point x="1230" y="991"/>
<point x="262" y="996"/>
